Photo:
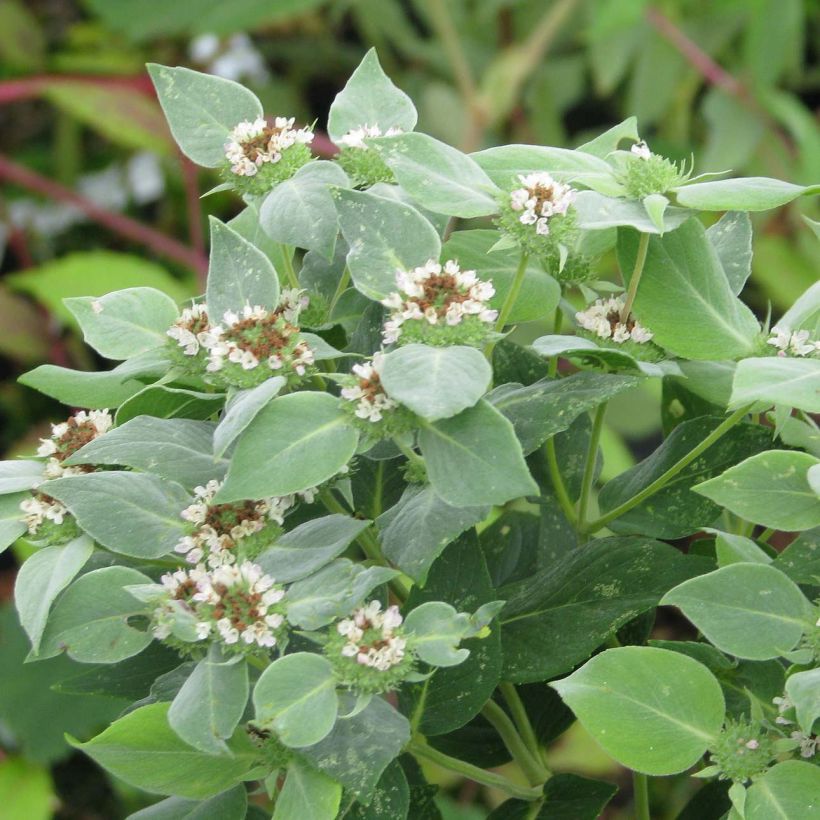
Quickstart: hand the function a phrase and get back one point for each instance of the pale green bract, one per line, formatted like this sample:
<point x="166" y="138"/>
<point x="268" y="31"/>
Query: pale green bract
<point x="378" y="546"/>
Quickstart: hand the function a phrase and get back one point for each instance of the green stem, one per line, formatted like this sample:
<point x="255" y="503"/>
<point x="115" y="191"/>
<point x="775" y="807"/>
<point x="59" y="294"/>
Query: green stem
<point x="766" y="534"/>
<point x="634" y="280"/>
<point x="257" y="662"/>
<point x="529" y="765"/>
<point x="557" y="324"/>
<point x="344" y="281"/>
<point x="408" y="452"/>
<point x="640" y="790"/>
<point x="290" y="273"/>
<point x="418" y="712"/>
<point x="420" y="749"/>
<point x="512" y="295"/>
<point x="558" y="485"/>
<point x="661" y="481"/>
<point x="521" y="718"/>
<point x="589" y="467"/>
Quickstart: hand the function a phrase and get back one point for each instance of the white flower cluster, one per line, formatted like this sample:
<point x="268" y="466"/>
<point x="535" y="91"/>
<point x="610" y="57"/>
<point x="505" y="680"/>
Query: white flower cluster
<point x="794" y="343"/>
<point x="808" y="744"/>
<point x="190" y="331"/>
<point x="641" y="150"/>
<point x="603" y="318"/>
<point x="437" y="294"/>
<point x="355" y="138"/>
<point x="372" y="401"/>
<point x="232" y="603"/>
<point x="384" y="649"/>
<point x="540" y="198"/>
<point x="273" y="335"/>
<point x="40" y="508"/>
<point x="219" y="528"/>
<point x="254" y="143"/>
<point x="68" y="437"/>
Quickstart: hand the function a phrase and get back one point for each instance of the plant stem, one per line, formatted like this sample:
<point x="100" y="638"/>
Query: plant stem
<point x="257" y="662"/>
<point x="766" y="534"/>
<point x="290" y="273"/>
<point x="557" y="324"/>
<point x="418" y="748"/>
<point x="509" y="302"/>
<point x="558" y="485"/>
<point x="529" y="765"/>
<point x="634" y="280"/>
<point x="521" y="718"/>
<point x="661" y="481"/>
<point x="589" y="467"/>
<point x="408" y="452"/>
<point x="640" y="791"/>
<point x="340" y="289"/>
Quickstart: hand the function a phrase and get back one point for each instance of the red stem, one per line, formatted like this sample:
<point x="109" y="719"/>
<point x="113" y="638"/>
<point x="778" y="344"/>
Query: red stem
<point x="193" y="206"/>
<point x="129" y="228"/>
<point x="13" y="90"/>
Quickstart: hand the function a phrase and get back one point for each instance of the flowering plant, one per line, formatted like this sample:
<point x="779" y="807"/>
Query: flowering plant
<point x="340" y="516"/>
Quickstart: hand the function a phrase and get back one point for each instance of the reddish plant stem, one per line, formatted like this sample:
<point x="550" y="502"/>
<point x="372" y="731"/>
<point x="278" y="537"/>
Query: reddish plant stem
<point x="322" y="146"/>
<point x="126" y="227"/>
<point x="193" y="205"/>
<point x="14" y="90"/>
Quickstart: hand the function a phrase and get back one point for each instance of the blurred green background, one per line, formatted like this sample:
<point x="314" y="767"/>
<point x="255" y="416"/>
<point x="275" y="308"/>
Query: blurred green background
<point x="96" y="197"/>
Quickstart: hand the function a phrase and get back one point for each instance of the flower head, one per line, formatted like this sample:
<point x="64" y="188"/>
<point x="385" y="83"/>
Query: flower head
<point x="603" y="318"/>
<point x="742" y="750"/>
<point x="643" y="172"/>
<point x="372" y="403"/>
<point x="355" y="138"/>
<point x="793" y="343"/>
<point x="68" y="437"/>
<point x="252" y="144"/>
<point x="191" y="330"/>
<point x="540" y="198"/>
<point x="48" y="520"/>
<point x="435" y="296"/>
<point x="237" y="605"/>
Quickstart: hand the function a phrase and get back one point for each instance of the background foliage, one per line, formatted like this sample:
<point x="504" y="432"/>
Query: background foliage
<point x="96" y="198"/>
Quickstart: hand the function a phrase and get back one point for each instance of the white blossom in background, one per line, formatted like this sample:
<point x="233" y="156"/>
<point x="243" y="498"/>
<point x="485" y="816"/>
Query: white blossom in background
<point x="437" y="294"/>
<point x="355" y="138"/>
<point x="190" y="329"/>
<point x="793" y="343"/>
<point x="236" y="59"/>
<point x="371" y="400"/>
<point x="252" y="144"/>
<point x="234" y="604"/>
<point x="641" y="150"/>
<point x="370" y="637"/>
<point x="540" y="198"/>
<point x="603" y="318"/>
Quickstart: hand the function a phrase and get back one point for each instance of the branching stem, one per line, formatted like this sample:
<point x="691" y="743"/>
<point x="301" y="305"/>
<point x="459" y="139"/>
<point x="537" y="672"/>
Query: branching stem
<point x="529" y="765"/>
<point x="634" y="280"/>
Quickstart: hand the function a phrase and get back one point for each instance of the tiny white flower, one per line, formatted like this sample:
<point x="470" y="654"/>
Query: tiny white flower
<point x="641" y="150"/>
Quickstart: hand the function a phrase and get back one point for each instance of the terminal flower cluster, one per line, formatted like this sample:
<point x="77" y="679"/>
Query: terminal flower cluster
<point x="793" y="343"/>
<point x="603" y="318"/>
<point x="367" y="391"/>
<point x="355" y="138"/>
<point x="253" y="144"/>
<point x="540" y="198"/>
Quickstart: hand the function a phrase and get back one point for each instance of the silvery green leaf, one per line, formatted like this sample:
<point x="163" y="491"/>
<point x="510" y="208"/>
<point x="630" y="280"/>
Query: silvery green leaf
<point x="12" y="525"/>
<point x="20" y="475"/>
<point x="777" y="379"/>
<point x="164" y="402"/>
<point x="228" y="805"/>
<point x="744" y="194"/>
<point x="240" y="411"/>
<point x="437" y="631"/>
<point x="239" y="274"/>
<point x="803" y="689"/>
<point x="656" y="205"/>
<point x="201" y="110"/>
<point x="804" y="314"/>
<point x="307" y="794"/>
<point x="731" y="237"/>
<point x="370" y="98"/>
<point x="598" y="212"/>
<point x="609" y="141"/>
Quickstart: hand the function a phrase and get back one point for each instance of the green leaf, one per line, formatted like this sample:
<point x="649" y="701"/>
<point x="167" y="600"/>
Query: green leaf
<point x="201" y="110"/>
<point x="437" y="631"/>
<point x="801" y="559"/>
<point x="177" y="449"/>
<point x="566" y="797"/>
<point x="94" y="273"/>
<point x="11" y="521"/>
<point x="505" y="164"/>
<point x="333" y="592"/>
<point x="676" y="511"/>
<point x="439" y="176"/>
<point x="419" y="526"/>
<point x="436" y="382"/>
<point x="539" y="292"/>
<point x="777" y="380"/>
<point x="26" y="790"/>
<point x="130" y="513"/>
<point x="300" y="211"/>
<point x="307" y="794"/>
<point x="43" y="576"/>
<point x="805" y="312"/>
<point x="20" y="475"/>
<point x="296" y="697"/>
<point x="384" y="236"/>
<point x="603" y="145"/>
<point x="22" y="42"/>
<point x="131" y="747"/>
<point x="310" y="546"/>
<point x="588" y="353"/>
<point x="597" y="212"/>
<point x="105" y="389"/>
<point x="228" y="805"/>
<point x="735" y="549"/>
<point x="538" y="411"/>
<point x="746" y="194"/>
<point x="390" y="801"/>
<point x="126" y="322"/>
<point x="356" y="765"/>
<point x="168" y="403"/>
<point x="474" y="458"/>
<point x="653" y="710"/>
<point x="241" y="410"/>
<point x="787" y="791"/>
<point x="239" y="274"/>
<point x="370" y="98"/>
<point x="771" y="488"/>
<point x="731" y="237"/>
<point x="210" y="704"/>
<point x="90" y="620"/>
<point x="803" y="690"/>
<point x="558" y="616"/>
<point x="748" y="610"/>
<point x="684" y="297"/>
<point x="295" y="442"/>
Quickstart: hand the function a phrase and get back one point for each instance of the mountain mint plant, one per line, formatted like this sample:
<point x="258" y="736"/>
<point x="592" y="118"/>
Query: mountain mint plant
<point x="343" y="513"/>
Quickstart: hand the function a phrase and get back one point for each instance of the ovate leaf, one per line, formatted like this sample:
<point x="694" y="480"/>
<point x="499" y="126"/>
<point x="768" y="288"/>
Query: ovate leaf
<point x="747" y="194"/>
<point x="241" y="410"/>
<point x="787" y="791"/>
<point x="228" y="805"/>
<point x="307" y="794"/>
<point x="777" y="380"/>
<point x="12" y="525"/>
<point x="803" y="690"/>
<point x="731" y="237"/>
